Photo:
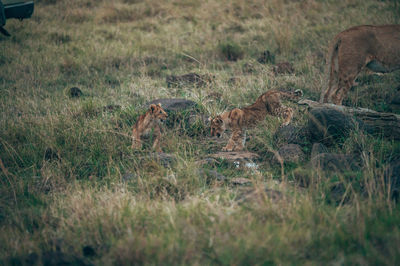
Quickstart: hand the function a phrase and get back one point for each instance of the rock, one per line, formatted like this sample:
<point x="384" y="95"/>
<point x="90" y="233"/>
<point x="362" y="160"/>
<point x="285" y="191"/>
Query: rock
<point x="240" y="181"/>
<point x="328" y="126"/>
<point x="291" y="153"/>
<point x="283" y="68"/>
<point x="88" y="251"/>
<point x="235" y="155"/>
<point x="318" y="148"/>
<point x="75" y="92"/>
<point x="335" y="162"/>
<point x="266" y="58"/>
<point x="174" y="104"/>
<point x="166" y="159"/>
<point x="290" y="134"/>
<point x="211" y="175"/>
<point x="190" y="78"/>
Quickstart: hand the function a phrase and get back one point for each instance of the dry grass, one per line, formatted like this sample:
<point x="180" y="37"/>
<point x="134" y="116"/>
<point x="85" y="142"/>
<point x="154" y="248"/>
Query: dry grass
<point x="64" y="160"/>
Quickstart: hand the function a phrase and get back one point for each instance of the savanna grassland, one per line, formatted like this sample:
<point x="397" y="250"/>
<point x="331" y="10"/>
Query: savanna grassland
<point x="73" y="191"/>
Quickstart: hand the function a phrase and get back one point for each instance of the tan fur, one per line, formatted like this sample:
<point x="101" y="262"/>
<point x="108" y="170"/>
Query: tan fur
<point x="374" y="47"/>
<point x="239" y="119"/>
<point x="147" y="124"/>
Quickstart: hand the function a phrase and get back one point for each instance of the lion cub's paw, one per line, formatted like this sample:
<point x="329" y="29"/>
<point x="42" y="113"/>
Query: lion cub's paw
<point x="227" y="148"/>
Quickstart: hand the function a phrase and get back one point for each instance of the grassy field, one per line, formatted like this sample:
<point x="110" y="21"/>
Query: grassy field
<point x="64" y="161"/>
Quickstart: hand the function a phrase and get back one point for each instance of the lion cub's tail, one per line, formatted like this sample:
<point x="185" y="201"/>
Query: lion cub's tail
<point x="291" y="95"/>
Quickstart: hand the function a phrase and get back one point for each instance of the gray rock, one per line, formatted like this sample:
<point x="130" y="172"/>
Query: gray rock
<point x="329" y="126"/>
<point x="290" y="153"/>
<point x="290" y="134"/>
<point x="75" y="92"/>
<point x="211" y="175"/>
<point x="174" y="104"/>
<point x="335" y="162"/>
<point x="318" y="148"/>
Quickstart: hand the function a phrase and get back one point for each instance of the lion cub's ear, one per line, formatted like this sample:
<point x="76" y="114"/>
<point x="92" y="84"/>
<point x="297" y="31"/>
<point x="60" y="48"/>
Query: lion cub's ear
<point x="159" y="104"/>
<point x="153" y="107"/>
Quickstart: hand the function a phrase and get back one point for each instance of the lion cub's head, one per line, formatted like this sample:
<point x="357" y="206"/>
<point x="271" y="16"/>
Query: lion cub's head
<point x="217" y="126"/>
<point x="157" y="112"/>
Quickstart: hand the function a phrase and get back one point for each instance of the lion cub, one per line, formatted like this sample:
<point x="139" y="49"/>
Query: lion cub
<point x="239" y="119"/>
<point x="147" y="124"/>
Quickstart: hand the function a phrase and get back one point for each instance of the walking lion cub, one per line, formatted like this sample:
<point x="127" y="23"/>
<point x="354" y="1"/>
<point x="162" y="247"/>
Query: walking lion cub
<point x="238" y="119"/>
<point x="147" y="124"/>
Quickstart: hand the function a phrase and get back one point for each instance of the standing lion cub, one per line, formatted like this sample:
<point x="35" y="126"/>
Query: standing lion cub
<point x="147" y="124"/>
<point x="374" y="47"/>
<point x="239" y="119"/>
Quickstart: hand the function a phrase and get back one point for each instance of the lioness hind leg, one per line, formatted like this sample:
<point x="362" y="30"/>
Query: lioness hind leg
<point x="350" y="65"/>
<point x="346" y="81"/>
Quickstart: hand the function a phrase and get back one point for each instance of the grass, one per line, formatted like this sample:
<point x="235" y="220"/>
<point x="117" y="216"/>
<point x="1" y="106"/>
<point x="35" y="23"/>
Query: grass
<point x="64" y="160"/>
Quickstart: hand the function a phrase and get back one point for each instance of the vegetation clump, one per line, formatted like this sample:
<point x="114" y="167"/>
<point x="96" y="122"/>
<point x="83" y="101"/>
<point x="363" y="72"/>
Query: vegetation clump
<point x="73" y="191"/>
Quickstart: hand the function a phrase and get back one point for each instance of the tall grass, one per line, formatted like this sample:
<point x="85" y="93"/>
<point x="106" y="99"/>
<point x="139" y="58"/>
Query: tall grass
<point x="70" y="183"/>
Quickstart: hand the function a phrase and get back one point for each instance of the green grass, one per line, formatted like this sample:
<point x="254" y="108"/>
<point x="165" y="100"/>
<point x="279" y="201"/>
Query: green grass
<point x="63" y="159"/>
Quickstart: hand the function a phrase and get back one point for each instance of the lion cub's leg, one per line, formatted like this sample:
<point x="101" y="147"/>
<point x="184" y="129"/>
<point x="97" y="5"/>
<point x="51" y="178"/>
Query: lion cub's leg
<point x="136" y="142"/>
<point x="235" y="142"/>
<point x="156" y="144"/>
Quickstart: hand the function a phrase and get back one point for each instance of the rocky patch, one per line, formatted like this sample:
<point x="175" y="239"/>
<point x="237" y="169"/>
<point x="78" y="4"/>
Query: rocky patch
<point x="290" y="153"/>
<point x="335" y="162"/>
<point x="329" y="126"/>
